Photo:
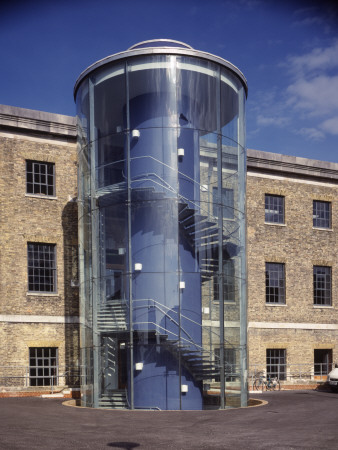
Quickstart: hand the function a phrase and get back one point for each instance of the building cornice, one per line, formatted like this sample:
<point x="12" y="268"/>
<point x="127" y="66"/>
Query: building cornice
<point x="31" y="122"/>
<point x="277" y="164"/>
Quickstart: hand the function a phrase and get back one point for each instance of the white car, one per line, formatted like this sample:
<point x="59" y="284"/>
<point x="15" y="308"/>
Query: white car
<point x="332" y="379"/>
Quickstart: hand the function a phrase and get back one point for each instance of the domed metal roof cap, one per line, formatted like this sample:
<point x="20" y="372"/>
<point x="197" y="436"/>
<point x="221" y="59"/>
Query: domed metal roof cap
<point x="160" y="43"/>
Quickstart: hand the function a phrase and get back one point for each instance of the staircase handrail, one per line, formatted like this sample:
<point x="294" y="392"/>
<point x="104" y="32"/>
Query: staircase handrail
<point x="185" y="317"/>
<point x="180" y="173"/>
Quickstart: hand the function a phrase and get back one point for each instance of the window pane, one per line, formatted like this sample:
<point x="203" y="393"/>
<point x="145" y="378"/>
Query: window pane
<point x="227" y="202"/>
<point x="46" y="360"/>
<point x="228" y="282"/>
<point x="276" y="363"/>
<point x="321" y="214"/>
<point x="322" y="361"/>
<point x="37" y="180"/>
<point x="274" y="208"/>
<point x="275" y="283"/>
<point x="229" y="363"/>
<point x="41" y="267"/>
<point x="321" y="285"/>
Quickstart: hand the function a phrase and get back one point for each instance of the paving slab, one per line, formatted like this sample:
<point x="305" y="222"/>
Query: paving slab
<point x="290" y="420"/>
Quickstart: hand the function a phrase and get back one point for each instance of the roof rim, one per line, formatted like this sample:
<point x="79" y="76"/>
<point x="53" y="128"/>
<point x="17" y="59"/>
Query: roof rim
<point x="161" y="50"/>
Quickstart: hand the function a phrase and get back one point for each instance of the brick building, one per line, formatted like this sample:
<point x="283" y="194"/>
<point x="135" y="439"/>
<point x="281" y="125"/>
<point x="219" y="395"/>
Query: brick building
<point x="38" y="248"/>
<point x="292" y="217"/>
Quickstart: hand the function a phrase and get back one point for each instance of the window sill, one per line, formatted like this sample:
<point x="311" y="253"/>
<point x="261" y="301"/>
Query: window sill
<point x="323" y="306"/>
<point x="275" y="224"/>
<point x="322" y="229"/>
<point x="42" y="294"/>
<point x="226" y="302"/>
<point x="47" y="197"/>
<point x="275" y="304"/>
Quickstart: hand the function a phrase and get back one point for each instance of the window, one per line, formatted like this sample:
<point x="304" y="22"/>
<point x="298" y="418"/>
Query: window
<point x="228" y="282"/>
<point x="41" y="267"/>
<point x="43" y="366"/>
<point x="114" y="289"/>
<point x="227" y="202"/>
<point x="40" y="178"/>
<point x="322" y="361"/>
<point x="274" y="208"/>
<point x="276" y="363"/>
<point x="321" y="285"/>
<point x="274" y="283"/>
<point x="229" y="363"/>
<point x="321" y="214"/>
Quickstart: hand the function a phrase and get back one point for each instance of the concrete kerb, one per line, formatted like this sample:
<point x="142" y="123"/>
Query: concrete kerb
<point x="253" y="403"/>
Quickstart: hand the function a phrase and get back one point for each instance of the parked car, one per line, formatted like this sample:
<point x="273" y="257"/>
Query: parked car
<point x="332" y="379"/>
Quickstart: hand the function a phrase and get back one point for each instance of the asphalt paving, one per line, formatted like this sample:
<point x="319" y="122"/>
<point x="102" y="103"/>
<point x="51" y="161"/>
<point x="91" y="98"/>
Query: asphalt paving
<point x="289" y="420"/>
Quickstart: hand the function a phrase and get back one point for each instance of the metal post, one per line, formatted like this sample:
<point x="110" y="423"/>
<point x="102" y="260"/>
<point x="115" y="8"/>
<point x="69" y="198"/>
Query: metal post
<point x="130" y="267"/>
<point x="179" y="340"/>
<point x="243" y="263"/>
<point x="220" y="237"/>
<point x="94" y="242"/>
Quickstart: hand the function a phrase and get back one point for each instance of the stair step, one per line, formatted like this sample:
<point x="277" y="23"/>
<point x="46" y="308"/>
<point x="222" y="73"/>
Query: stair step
<point x="115" y="400"/>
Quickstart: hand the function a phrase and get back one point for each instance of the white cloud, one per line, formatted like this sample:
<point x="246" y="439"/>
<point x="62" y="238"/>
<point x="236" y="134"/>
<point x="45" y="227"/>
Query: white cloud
<point x="274" y="121"/>
<point x="319" y="59"/>
<point x="312" y="93"/>
<point x="311" y="133"/>
<point x="309" y="103"/>
<point x="330" y="125"/>
<point x="317" y="96"/>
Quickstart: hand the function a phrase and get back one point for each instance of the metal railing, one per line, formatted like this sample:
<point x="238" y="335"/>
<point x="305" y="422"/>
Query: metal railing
<point x="20" y="378"/>
<point x="293" y="373"/>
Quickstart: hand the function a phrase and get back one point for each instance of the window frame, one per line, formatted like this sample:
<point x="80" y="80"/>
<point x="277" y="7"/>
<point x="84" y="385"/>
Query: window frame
<point x="322" y="218"/>
<point x="229" y="283"/>
<point x="227" y="202"/>
<point x="322" y="296"/>
<point x="230" y="363"/>
<point x="322" y="361"/>
<point x="42" y="268"/>
<point x="270" y="199"/>
<point x="276" y="363"/>
<point x="43" y="368"/>
<point x="280" y="289"/>
<point x="38" y="180"/>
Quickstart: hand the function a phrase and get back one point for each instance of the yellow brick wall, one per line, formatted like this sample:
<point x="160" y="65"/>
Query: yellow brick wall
<point x="299" y="246"/>
<point x="25" y="218"/>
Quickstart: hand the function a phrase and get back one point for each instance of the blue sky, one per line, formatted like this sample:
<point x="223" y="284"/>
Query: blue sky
<point x="287" y="50"/>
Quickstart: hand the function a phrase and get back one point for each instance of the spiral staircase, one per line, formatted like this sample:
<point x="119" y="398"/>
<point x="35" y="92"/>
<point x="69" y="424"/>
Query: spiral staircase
<point x="201" y="232"/>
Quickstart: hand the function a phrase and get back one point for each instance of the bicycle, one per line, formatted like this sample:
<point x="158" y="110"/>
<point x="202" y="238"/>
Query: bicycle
<point x="260" y="383"/>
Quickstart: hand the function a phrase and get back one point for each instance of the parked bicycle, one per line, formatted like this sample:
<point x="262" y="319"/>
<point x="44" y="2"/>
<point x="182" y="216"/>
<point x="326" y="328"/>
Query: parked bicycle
<point x="269" y="384"/>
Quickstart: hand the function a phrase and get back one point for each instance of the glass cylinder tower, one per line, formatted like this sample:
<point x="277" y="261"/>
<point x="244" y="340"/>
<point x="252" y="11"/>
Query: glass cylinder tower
<point x="162" y="158"/>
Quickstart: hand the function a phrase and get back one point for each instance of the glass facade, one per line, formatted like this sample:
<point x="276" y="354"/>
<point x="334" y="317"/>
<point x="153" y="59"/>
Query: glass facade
<point x="160" y="135"/>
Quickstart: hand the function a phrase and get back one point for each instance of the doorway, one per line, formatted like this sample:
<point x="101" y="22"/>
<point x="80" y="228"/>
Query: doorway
<point x="322" y="363"/>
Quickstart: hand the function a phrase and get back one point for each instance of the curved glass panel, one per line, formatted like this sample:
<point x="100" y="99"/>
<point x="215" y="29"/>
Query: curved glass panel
<point x="152" y="92"/>
<point x="109" y="101"/>
<point x="82" y="114"/>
